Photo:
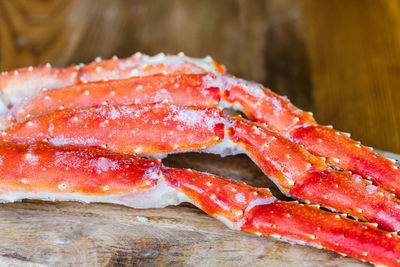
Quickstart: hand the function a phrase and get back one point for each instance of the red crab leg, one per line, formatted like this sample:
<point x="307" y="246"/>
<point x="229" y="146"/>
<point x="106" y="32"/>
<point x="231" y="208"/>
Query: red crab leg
<point x="180" y="90"/>
<point x="39" y="168"/>
<point x="25" y="82"/>
<point x="263" y="105"/>
<point x="307" y="177"/>
<point x="136" y="129"/>
<point x="41" y="171"/>
<point x="162" y="128"/>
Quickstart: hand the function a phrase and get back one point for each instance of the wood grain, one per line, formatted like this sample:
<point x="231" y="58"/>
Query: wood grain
<point x="355" y="63"/>
<point x="65" y="234"/>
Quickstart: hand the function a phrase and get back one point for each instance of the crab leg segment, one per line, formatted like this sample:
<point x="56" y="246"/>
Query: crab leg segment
<point x="158" y="129"/>
<point x="348" y="154"/>
<point x="257" y="211"/>
<point x="136" y="129"/>
<point x="42" y="168"/>
<point x="41" y="171"/>
<point x="140" y="64"/>
<point x="286" y="221"/>
<point x="263" y="105"/>
<point x="25" y="82"/>
<point x="21" y="83"/>
<point x="180" y="90"/>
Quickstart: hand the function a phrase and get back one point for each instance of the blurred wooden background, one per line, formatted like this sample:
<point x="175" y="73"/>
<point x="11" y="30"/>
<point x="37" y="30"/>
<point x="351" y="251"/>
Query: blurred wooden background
<point x="340" y="59"/>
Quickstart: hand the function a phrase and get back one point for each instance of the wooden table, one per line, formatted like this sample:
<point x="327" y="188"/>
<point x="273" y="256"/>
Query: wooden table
<point x="40" y="233"/>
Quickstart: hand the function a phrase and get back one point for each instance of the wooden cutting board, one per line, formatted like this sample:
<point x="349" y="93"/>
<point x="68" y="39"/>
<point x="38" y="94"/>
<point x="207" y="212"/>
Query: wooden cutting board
<point x="37" y="233"/>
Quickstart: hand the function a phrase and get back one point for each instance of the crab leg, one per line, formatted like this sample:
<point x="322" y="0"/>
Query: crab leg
<point x="157" y="129"/>
<point x="136" y="129"/>
<point x="26" y="82"/>
<point x="41" y="171"/>
<point x="180" y="90"/>
<point x="261" y="104"/>
<point x="307" y="177"/>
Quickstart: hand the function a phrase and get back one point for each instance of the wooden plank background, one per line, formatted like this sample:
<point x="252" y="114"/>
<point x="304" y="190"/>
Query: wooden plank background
<point x="339" y="59"/>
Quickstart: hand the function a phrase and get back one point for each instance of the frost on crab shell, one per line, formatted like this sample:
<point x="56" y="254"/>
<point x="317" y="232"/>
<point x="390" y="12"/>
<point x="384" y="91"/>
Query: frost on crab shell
<point x="62" y="140"/>
<point x="105" y="164"/>
<point x="31" y="159"/>
<point x="196" y="118"/>
<point x="162" y="95"/>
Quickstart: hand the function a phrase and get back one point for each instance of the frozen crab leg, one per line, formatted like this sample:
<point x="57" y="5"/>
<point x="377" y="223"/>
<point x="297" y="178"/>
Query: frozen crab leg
<point x="25" y="82"/>
<point x="136" y="129"/>
<point x="176" y="89"/>
<point x="41" y="171"/>
<point x="157" y="129"/>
